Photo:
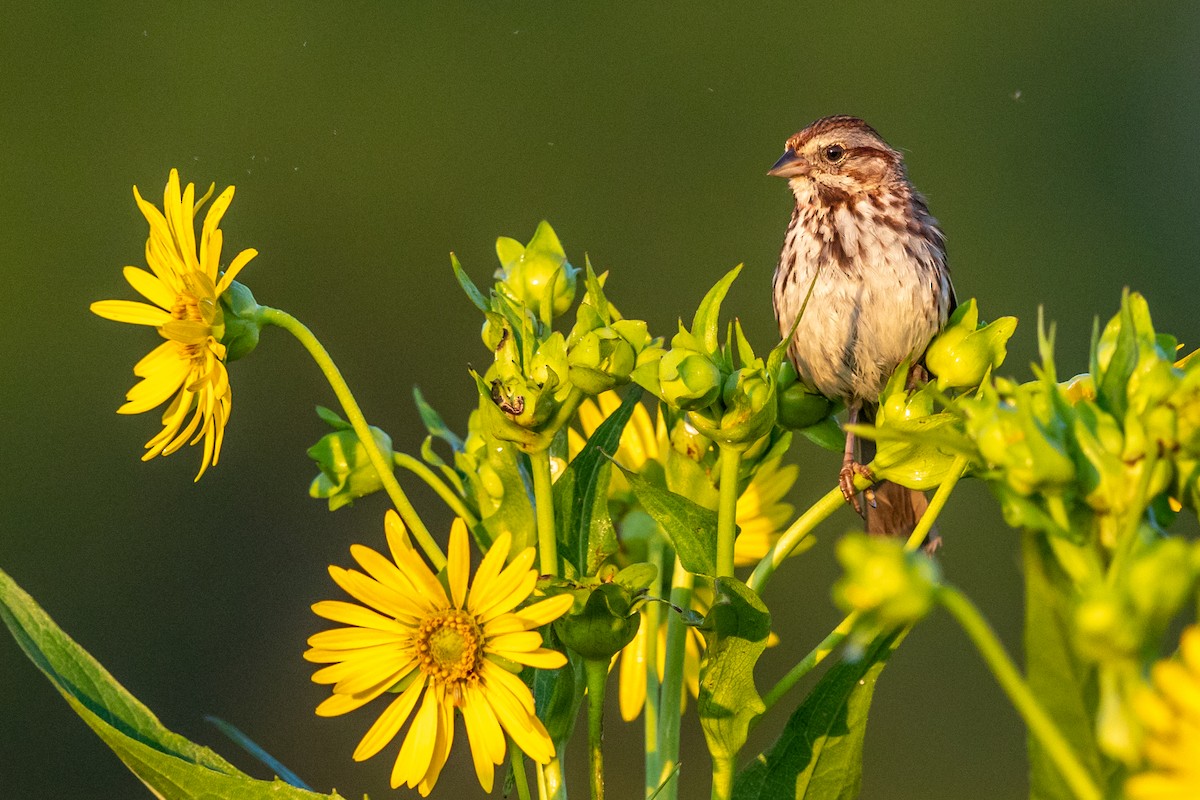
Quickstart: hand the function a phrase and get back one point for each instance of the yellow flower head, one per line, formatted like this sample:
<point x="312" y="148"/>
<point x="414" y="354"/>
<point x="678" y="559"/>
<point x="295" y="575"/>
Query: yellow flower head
<point x="444" y="647"/>
<point x="184" y="287"/>
<point x="1170" y="714"/>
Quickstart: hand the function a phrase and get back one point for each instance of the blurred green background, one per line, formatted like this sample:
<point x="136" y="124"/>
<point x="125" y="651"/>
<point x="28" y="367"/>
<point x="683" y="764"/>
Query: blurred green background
<point x="1057" y="144"/>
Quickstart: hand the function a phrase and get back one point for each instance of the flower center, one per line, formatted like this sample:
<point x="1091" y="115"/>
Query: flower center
<point x="450" y="646"/>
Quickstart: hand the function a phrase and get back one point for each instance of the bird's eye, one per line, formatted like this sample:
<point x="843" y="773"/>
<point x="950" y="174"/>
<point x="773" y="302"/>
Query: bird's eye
<point x="834" y="153"/>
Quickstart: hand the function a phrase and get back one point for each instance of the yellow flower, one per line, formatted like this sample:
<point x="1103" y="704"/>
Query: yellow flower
<point x="1170" y="714"/>
<point x="184" y="289"/>
<point x="457" y="647"/>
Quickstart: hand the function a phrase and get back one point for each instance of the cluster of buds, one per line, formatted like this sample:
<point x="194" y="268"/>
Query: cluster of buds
<point x="727" y="393"/>
<point x="886" y="585"/>
<point x="539" y="375"/>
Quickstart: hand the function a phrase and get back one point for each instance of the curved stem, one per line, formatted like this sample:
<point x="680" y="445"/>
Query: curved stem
<point x="597" y="679"/>
<point x="731" y="462"/>
<point x="281" y="319"/>
<point x="1019" y="693"/>
<point x="543" y="498"/>
<point x="448" y="495"/>
<point x="810" y="661"/>
<point x="799" y="530"/>
<point x="671" y="692"/>
<point x="925" y="524"/>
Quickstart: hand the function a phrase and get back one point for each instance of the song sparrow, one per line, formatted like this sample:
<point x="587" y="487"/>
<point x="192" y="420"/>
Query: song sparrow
<point x="882" y="287"/>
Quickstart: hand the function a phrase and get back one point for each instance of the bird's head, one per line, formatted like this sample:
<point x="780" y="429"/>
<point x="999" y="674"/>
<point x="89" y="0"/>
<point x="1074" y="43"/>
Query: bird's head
<point x="839" y="157"/>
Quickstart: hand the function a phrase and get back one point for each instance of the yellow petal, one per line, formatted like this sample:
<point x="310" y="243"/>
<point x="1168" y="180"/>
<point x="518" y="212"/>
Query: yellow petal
<point x="390" y="721"/>
<point x="384" y="571"/>
<point x="632" y="675"/>
<point x="150" y="287"/>
<point x="514" y="583"/>
<point x="374" y="594"/>
<point x="489" y="570"/>
<point x="545" y="611"/>
<point x="351" y="638"/>
<point x="354" y="614"/>
<point x="482" y="731"/>
<point x="417" y="749"/>
<point x="131" y="311"/>
<point x="242" y="259"/>
<point x="443" y="741"/>
<point x="539" y="659"/>
<point x="458" y="567"/>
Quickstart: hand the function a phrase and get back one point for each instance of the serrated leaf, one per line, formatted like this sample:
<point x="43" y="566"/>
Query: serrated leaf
<point x="819" y="754"/>
<point x="706" y="323"/>
<point x="581" y="494"/>
<point x="736" y="629"/>
<point x="691" y="529"/>
<point x="174" y="767"/>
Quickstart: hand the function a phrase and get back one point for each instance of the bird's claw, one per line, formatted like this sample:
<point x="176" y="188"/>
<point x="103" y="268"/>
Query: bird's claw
<point x="849" y="491"/>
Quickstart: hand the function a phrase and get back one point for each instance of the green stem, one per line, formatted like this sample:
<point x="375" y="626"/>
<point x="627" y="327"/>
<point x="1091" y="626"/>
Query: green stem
<point x="597" y="679"/>
<point x="543" y="497"/>
<point x="723" y="771"/>
<point x="652" y="619"/>
<point x="810" y="661"/>
<point x="1019" y="693"/>
<point x="925" y="524"/>
<point x="281" y="319"/>
<point x="516" y="761"/>
<point x="799" y="530"/>
<point x="671" y="692"/>
<point x="731" y="462"/>
<point x="448" y="495"/>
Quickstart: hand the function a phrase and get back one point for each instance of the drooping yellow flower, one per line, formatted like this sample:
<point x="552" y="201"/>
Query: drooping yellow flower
<point x="1170" y="714"/>
<point x="444" y="647"/>
<point x="184" y="286"/>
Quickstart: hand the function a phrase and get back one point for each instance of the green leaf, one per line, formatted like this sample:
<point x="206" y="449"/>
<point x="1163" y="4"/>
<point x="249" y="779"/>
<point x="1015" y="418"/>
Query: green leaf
<point x="691" y="529"/>
<point x="558" y="693"/>
<point x="333" y="419"/>
<point x="434" y="423"/>
<point x="737" y="627"/>
<point x="819" y="754"/>
<point x="1063" y="684"/>
<point x="172" y="766"/>
<point x="827" y="434"/>
<point x="581" y="494"/>
<point x="706" y="324"/>
<point x="476" y="297"/>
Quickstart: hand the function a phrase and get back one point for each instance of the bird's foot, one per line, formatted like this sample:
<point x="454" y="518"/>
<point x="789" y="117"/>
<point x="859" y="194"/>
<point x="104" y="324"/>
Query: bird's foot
<point x="850" y="470"/>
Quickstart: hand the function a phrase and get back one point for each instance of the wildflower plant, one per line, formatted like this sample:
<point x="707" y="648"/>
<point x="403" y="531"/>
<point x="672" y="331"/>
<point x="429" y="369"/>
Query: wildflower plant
<point x="627" y="498"/>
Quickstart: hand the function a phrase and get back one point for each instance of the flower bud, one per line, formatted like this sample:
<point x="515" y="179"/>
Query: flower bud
<point x="539" y="272"/>
<point x="689" y="379"/>
<point x="960" y="356"/>
<point x="748" y="395"/>
<point x="889" y="586"/>
<point x="606" y="616"/>
<point x="242" y="324"/>
<point x="346" y="470"/>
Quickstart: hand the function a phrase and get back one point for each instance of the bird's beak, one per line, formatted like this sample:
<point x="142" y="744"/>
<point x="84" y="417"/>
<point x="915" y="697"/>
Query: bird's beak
<point x="789" y="165"/>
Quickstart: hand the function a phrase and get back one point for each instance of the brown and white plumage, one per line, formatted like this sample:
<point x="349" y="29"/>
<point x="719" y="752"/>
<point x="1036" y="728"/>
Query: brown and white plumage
<point x="882" y="286"/>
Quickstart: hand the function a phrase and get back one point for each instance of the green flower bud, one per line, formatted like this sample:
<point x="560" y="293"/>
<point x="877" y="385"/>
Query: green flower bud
<point x="241" y="322"/>
<point x="960" y="356"/>
<point x="1104" y="630"/>
<point x="750" y="408"/>
<point x="1159" y="582"/>
<point x="605" y="616"/>
<point x="887" y="585"/>
<point x="801" y="407"/>
<point x="537" y="273"/>
<point x="1081" y="387"/>
<point x="600" y="360"/>
<point x="689" y="379"/>
<point x="346" y="470"/>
